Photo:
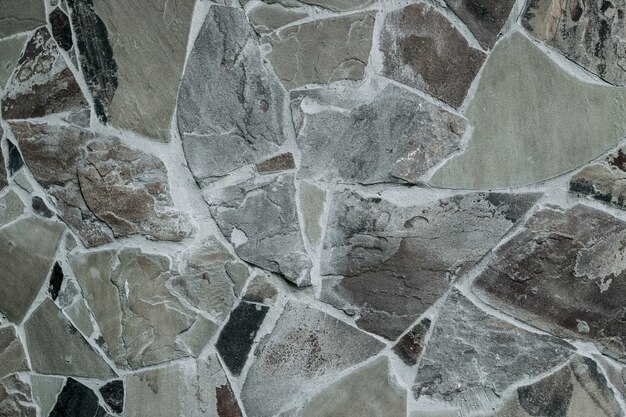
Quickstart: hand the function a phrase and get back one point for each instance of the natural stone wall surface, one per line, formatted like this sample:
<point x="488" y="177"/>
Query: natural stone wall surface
<point x="312" y="208"/>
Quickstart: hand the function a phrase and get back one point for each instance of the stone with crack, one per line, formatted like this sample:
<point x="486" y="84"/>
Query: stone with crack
<point x="12" y="357"/>
<point x="388" y="264"/>
<point x="380" y="133"/>
<point x="565" y="273"/>
<point x="306" y="348"/>
<point x="423" y="49"/>
<point x="484" y="19"/>
<point x="20" y="16"/>
<point x="15" y="398"/>
<point x="473" y="357"/>
<point x="231" y="108"/>
<point x="605" y="181"/>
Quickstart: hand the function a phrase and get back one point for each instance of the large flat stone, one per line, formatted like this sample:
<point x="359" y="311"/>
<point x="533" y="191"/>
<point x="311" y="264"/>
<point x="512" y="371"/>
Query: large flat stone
<point x="472" y="357"/>
<point x="12" y="357"/>
<point x="322" y="51"/>
<point x="305" y="347"/>
<point x="565" y="122"/>
<point x="423" y="49"/>
<point x="231" y="109"/>
<point x="27" y="250"/>
<point x="564" y="273"/>
<point x="20" y="16"/>
<point x="380" y="133"/>
<point x="394" y="262"/>
<point x="484" y="19"/>
<point x="10" y="51"/>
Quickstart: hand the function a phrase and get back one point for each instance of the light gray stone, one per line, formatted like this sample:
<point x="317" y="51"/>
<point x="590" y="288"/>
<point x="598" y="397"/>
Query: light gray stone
<point x="11" y="207"/>
<point x="231" y="109"/>
<point x="10" y="51"/>
<point x="380" y="133"/>
<point x="566" y="122"/>
<point x="312" y="201"/>
<point x="20" y="16"/>
<point x="198" y="335"/>
<point x="45" y="391"/>
<point x="79" y="314"/>
<point x="306" y="347"/>
<point x="12" y="357"/>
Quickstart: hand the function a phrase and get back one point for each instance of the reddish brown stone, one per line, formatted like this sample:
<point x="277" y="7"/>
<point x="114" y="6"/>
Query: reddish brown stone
<point x="226" y="402"/>
<point x="282" y="162"/>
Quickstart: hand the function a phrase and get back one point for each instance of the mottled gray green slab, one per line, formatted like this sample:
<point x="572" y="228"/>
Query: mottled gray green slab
<point x="45" y="391"/>
<point x="11" y="207"/>
<point x="10" y="50"/>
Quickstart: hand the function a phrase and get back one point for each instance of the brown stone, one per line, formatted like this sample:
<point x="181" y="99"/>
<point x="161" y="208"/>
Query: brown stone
<point x="282" y="162"/>
<point x="484" y="18"/>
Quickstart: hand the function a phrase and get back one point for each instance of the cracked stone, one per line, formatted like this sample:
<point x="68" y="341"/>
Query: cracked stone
<point x="113" y="395"/>
<point x="77" y="400"/>
<point x="306" y="348"/>
<point x="423" y="49"/>
<point x="46" y="389"/>
<point x="323" y="50"/>
<point x="312" y="202"/>
<point x="15" y="158"/>
<point x="567" y="122"/>
<point x="20" y="16"/>
<point x="282" y="162"/>
<point x="484" y="19"/>
<point x="394" y="262"/>
<point x="565" y="273"/>
<point x="231" y="108"/>
<point x="410" y="347"/>
<point x="10" y="51"/>
<point x="12" y="357"/>
<point x="57" y="348"/>
<point x="27" y="248"/>
<point x="604" y="182"/>
<point x="15" y="398"/>
<point x="472" y="357"/>
<point x="61" y="29"/>
<point x="274" y="244"/>
<point x="11" y="207"/>
<point x="42" y="83"/>
<point x="392" y="135"/>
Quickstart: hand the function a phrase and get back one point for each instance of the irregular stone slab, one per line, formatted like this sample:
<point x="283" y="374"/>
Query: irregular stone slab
<point x="576" y="390"/>
<point x="395" y="262"/>
<point x="261" y="290"/>
<point x="79" y="314"/>
<point x="410" y="347"/>
<point x="605" y="181"/>
<point x="381" y="133"/>
<point x="282" y="162"/>
<point x="57" y="348"/>
<point x="45" y="391"/>
<point x="20" y="16"/>
<point x="10" y="51"/>
<point x="238" y="334"/>
<point x="77" y="400"/>
<point x="55" y="282"/>
<point x="113" y="395"/>
<point x="12" y="357"/>
<point x="564" y="273"/>
<point x="305" y="347"/>
<point x="39" y="207"/>
<point x="198" y="335"/>
<point x="484" y="19"/>
<point x="27" y="249"/>
<point x="137" y="315"/>
<point x="15" y="158"/>
<point x="42" y="83"/>
<point x="244" y="125"/>
<point x="472" y="355"/>
<point x="11" y="207"/>
<point x="268" y="16"/>
<point x="312" y="202"/>
<point x="61" y="28"/>
<point x="513" y="148"/>
<point x="322" y="51"/>
<point x="589" y="34"/>
<point x="423" y="49"/>
<point x="274" y="244"/>
<point x="15" y="398"/>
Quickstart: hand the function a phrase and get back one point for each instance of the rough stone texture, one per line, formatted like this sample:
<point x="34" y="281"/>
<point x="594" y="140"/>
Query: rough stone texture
<point x="305" y="347"/>
<point x="397" y="261"/>
<point x="423" y="49"/>
<point x="322" y="51"/>
<point x="510" y="147"/>
<point x="57" y="348"/>
<point x="79" y="314"/>
<point x="61" y="28"/>
<point x="589" y="33"/>
<point x="42" y="83"/>
<point x="312" y="201"/>
<point x="12" y="358"/>
<point x="268" y="16"/>
<point x="113" y="395"/>
<point x="261" y="290"/>
<point x="282" y="162"/>
<point x="198" y="335"/>
<point x="27" y="250"/>
<point x="231" y="108"/>
<point x="274" y="244"/>
<point x="77" y="400"/>
<point x="410" y="346"/>
<point x="604" y="181"/>
<point x="15" y="398"/>
<point x="11" y="207"/>
<point x="381" y="133"/>
<point x="564" y="273"/>
<point x="472" y="355"/>
<point x="45" y="391"/>
<point x="10" y="51"/>
<point x="484" y="19"/>
<point x="20" y="16"/>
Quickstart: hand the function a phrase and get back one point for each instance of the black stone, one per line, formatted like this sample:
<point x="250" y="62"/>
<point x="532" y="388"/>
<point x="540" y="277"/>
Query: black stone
<point x="76" y="400"/>
<point x="237" y="336"/>
<point x="113" y="395"/>
<point x="56" y="280"/>
<point x="41" y="208"/>
<point x="3" y="173"/>
<point x="61" y="30"/>
<point x="15" y="158"/>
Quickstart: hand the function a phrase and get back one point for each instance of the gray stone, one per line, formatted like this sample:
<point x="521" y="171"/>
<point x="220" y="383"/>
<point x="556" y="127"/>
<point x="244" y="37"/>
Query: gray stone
<point x="312" y="201"/>
<point x="45" y="391"/>
<point x="615" y="373"/>
<point x="484" y="19"/>
<point x="472" y="357"/>
<point x="566" y="122"/>
<point x="605" y="181"/>
<point x="305" y="349"/>
<point x="12" y="358"/>
<point x="261" y="290"/>
<point x="57" y="348"/>
<point x="15" y="398"/>
<point x="27" y="250"/>
<point x="267" y="16"/>
<point x="11" y="207"/>
<point x="198" y="335"/>
<point x="395" y="262"/>
<point x="20" y="16"/>
<point x="380" y="133"/>
<point x="10" y="51"/>
<point x="231" y="109"/>
<point x="565" y="273"/>
<point x="23" y="182"/>
<point x="80" y="316"/>
<point x="322" y="51"/>
<point x="423" y="49"/>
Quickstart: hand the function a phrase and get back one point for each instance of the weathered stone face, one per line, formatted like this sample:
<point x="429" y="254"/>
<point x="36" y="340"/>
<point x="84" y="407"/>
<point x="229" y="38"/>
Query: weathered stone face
<point x="61" y="28"/>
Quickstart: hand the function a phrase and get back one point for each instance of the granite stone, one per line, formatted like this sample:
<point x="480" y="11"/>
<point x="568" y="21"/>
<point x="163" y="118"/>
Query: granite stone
<point x="55" y="281"/>
<point x="39" y="207"/>
<point x="261" y="290"/>
<point x="15" y="161"/>
<point x="79" y="314"/>
<point x="312" y="202"/>
<point x="113" y="395"/>
<point x="15" y="398"/>
<point x="282" y="162"/>
<point x="45" y="390"/>
<point x="605" y="181"/>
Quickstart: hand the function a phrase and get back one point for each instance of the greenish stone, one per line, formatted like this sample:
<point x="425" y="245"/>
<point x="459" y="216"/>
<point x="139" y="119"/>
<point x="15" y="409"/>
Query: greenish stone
<point x="10" y="50"/>
<point x="45" y="391"/>
<point x="312" y="201"/>
<point x="80" y="316"/>
<point x="21" y="15"/>
<point x="11" y="207"/>
<point x="532" y="121"/>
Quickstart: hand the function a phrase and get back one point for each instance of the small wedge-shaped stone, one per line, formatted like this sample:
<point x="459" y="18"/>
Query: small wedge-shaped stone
<point x="261" y="220"/>
<point x="423" y="49"/>
<point x="590" y="33"/>
<point x="12" y="358"/>
<point x="15" y="398"/>
<point x="10" y="52"/>
<point x="397" y="261"/>
<point x="57" y="348"/>
<point x="42" y="83"/>
<point x="380" y="133"/>
<point x="11" y="207"/>
<point x="565" y="122"/>
<point x="577" y="390"/>
<point x="322" y="51"/>
<point x="605" y="181"/>
<point x="472" y="356"/>
<point x="306" y="347"/>
<point x="27" y="250"/>
<point x="231" y="109"/>
<point x="21" y="15"/>
<point x="77" y="400"/>
<point x="564" y="273"/>
<point x="484" y="19"/>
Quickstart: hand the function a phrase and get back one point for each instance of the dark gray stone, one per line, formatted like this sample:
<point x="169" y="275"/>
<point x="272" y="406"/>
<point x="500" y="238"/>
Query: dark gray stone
<point x="483" y="18"/>
<point x="410" y="346"/>
<point x="113" y="395"/>
<point x="77" y="400"/>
